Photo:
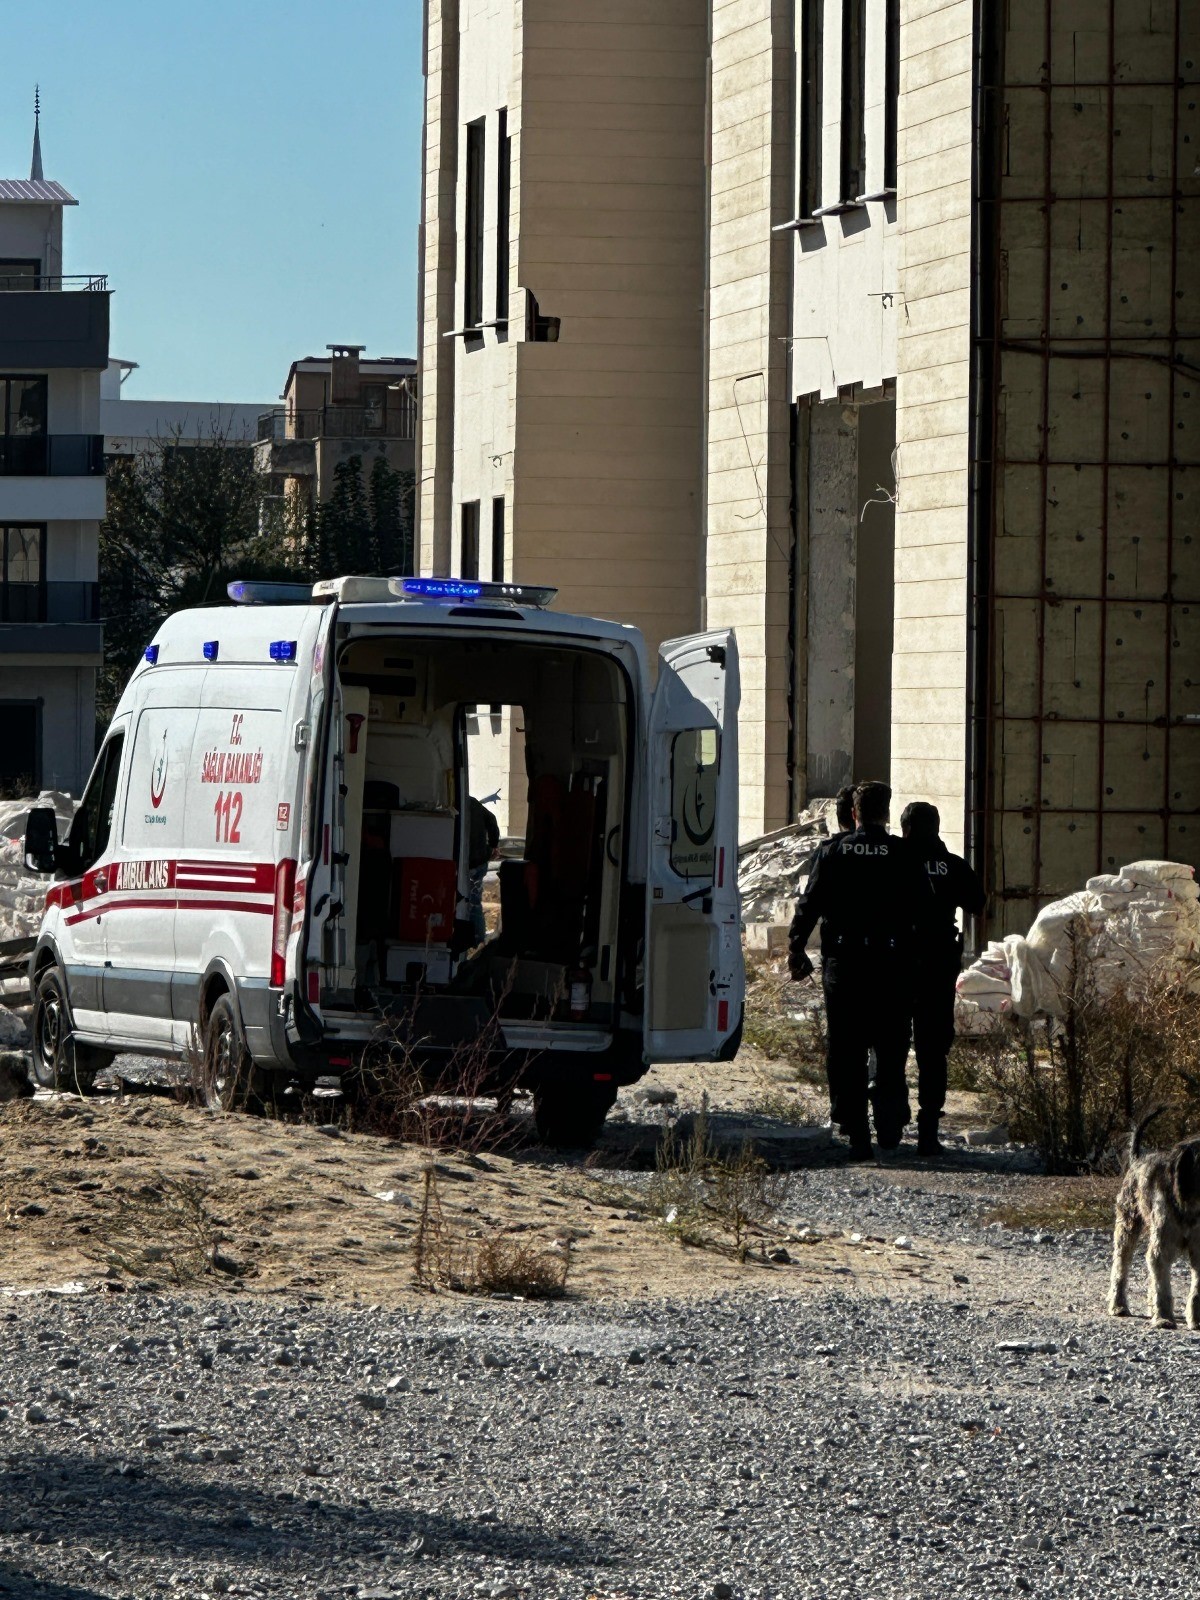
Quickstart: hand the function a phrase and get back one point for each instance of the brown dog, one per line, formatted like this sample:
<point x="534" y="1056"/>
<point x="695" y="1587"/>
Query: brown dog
<point x="1160" y="1197"/>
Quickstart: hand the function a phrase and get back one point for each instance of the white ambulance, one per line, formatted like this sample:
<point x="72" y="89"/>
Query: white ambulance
<point x="272" y="861"/>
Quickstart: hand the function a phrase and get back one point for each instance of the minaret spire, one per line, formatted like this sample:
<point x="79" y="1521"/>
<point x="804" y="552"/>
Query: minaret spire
<point x="35" y="166"/>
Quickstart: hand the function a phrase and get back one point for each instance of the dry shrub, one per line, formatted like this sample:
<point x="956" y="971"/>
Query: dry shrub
<point x="163" y="1229"/>
<point x="443" y="1258"/>
<point x="464" y="1110"/>
<point x="696" y="1189"/>
<point x="1075" y="1088"/>
<point x="774" y="1026"/>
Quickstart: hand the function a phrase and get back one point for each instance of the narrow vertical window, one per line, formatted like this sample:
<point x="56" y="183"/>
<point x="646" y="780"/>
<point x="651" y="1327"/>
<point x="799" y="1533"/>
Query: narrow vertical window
<point x="891" y="95"/>
<point x="810" y="109"/>
<point x="473" y="228"/>
<point x="503" y="183"/>
<point x="853" y="96"/>
<point x="498" y="539"/>
<point x="468" y="566"/>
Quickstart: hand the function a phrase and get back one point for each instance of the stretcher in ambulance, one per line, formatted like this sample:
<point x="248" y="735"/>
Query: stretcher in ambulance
<point x="271" y="866"/>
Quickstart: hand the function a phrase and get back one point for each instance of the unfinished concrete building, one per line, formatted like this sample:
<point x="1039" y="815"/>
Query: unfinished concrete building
<point x="929" y="445"/>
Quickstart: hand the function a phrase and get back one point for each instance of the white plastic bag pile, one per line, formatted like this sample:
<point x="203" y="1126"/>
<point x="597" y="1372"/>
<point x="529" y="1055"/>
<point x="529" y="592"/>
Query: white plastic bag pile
<point x="773" y="869"/>
<point x="1130" y="927"/>
<point x="22" y="895"/>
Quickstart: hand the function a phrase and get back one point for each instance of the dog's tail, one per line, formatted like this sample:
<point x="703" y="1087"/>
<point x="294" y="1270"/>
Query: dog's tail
<point x="1139" y="1129"/>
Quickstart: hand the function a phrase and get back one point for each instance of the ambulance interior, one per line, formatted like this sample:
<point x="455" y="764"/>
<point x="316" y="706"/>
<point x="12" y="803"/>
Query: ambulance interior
<point x="406" y="707"/>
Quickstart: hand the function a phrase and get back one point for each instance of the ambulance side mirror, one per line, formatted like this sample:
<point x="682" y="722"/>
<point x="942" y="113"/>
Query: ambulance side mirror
<point x="41" y="840"/>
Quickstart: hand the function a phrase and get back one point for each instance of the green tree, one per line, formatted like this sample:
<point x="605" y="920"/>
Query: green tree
<point x="183" y="519"/>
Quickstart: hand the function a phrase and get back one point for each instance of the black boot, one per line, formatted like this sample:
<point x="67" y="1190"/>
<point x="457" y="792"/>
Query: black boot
<point x="860" y="1143"/>
<point x="928" y="1143"/>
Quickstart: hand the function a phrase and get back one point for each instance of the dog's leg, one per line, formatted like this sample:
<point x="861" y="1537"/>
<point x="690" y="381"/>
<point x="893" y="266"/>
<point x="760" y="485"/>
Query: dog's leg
<point x="1193" y="1305"/>
<point x="1125" y="1237"/>
<point x="1158" y="1266"/>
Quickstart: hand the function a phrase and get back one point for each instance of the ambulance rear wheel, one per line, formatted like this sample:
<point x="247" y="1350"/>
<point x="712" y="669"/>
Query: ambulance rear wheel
<point x="58" y="1061"/>
<point x="230" y="1081"/>
<point x="570" y="1114"/>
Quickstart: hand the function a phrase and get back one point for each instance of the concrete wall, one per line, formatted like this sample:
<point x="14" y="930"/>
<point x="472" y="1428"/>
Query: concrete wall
<point x="67" y="696"/>
<point x="929" y="687"/>
<point x="33" y="233"/>
<point x="610" y="238"/>
<point x="749" y="553"/>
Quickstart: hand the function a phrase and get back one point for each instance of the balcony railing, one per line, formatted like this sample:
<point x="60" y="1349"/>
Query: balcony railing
<point x="398" y="421"/>
<point x="49" y="602"/>
<point x="56" y="282"/>
<point x="52" y="455"/>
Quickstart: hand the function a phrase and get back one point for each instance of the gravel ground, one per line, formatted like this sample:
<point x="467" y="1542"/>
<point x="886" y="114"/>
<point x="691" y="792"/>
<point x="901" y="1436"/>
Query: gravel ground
<point x="871" y="1435"/>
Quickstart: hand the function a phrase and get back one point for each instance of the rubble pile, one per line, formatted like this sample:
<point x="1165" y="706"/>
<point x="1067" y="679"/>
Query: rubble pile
<point x="773" y="869"/>
<point x="1139" y="925"/>
<point x="22" y="895"/>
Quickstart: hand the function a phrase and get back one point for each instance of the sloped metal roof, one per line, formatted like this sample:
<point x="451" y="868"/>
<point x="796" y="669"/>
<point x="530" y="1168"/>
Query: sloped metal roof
<point x="36" y="191"/>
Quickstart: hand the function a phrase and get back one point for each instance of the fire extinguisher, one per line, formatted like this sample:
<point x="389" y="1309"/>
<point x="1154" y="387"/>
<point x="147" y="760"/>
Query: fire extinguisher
<point x="579" y="993"/>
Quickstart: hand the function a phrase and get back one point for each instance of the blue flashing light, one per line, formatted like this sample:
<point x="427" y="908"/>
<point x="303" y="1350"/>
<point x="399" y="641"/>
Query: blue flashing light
<point x="443" y="588"/>
<point x="283" y="650"/>
<point x="151" y="653"/>
<point x="210" y="649"/>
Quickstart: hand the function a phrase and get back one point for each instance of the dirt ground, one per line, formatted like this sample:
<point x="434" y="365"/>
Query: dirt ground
<point x="293" y="1209"/>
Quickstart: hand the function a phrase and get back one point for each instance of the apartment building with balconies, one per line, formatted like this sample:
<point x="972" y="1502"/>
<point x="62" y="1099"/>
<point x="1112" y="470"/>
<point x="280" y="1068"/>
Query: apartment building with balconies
<point x="53" y="349"/>
<point x="336" y="407"/>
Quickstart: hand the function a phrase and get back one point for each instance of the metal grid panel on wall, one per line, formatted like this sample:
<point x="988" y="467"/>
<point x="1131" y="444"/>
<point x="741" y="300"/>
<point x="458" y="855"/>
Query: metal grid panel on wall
<point x="1087" y="470"/>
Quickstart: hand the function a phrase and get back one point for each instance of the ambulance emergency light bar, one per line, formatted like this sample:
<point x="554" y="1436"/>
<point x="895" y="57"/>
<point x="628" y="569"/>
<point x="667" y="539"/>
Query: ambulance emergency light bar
<point x="521" y="594"/>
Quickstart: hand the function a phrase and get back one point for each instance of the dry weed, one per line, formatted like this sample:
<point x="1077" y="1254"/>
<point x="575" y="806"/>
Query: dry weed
<point x="775" y="1026"/>
<point x="164" y="1228"/>
<point x="1074" y="1089"/>
<point x="710" y="1198"/>
<point x="444" y="1258"/>
<point x="464" y="1109"/>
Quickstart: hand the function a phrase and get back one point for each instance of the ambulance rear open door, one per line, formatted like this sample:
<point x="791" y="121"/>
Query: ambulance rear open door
<point x="695" y="979"/>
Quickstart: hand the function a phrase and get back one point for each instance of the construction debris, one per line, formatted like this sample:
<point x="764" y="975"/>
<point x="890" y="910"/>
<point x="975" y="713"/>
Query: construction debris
<point x="22" y="894"/>
<point x="773" y="869"/>
<point x="1133" y="928"/>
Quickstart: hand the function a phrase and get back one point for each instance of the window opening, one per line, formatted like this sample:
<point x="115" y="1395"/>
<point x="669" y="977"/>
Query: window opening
<point x="498" y="539"/>
<point x="473" y="230"/>
<point x="891" y="94"/>
<point x="503" y="187"/>
<point x="811" y="45"/>
<point x="22" y="572"/>
<point x="469" y="556"/>
<point x="20" y="769"/>
<point x="853" y="98"/>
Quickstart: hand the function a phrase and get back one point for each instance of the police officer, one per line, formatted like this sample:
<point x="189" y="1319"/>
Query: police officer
<point x="939" y="962"/>
<point x="869" y="892"/>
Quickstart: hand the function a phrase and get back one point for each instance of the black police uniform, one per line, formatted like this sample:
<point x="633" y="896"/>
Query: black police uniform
<point x="939" y="962"/>
<point x="868" y="891"/>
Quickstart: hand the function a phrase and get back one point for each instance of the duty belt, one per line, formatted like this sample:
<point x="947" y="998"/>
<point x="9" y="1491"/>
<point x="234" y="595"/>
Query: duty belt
<point x="864" y="941"/>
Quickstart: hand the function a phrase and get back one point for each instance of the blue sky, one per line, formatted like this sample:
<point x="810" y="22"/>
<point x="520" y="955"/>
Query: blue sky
<point x="248" y="175"/>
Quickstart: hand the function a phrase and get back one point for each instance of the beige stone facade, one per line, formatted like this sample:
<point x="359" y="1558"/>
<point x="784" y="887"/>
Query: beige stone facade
<point x="931" y="457"/>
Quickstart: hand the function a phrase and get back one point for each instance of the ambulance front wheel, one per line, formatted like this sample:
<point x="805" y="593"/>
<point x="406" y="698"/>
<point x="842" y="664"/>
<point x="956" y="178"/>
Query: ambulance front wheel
<point x="59" y="1062"/>
<point x="230" y="1081"/>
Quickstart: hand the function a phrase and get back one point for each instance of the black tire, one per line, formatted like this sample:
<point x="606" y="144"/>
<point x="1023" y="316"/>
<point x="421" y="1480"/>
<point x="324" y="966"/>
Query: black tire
<point x="570" y="1112"/>
<point x="229" y="1080"/>
<point x="59" y="1062"/>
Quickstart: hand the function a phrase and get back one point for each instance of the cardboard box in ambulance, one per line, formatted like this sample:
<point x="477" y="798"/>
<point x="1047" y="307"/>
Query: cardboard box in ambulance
<point x="274" y="865"/>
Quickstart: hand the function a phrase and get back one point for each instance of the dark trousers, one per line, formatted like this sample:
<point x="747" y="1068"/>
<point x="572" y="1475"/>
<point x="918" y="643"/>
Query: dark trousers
<point x="868" y="1003"/>
<point x="933" y="1025"/>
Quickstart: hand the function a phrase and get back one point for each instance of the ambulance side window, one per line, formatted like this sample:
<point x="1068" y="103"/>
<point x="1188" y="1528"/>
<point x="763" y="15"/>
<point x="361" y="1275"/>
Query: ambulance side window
<point x="695" y="766"/>
<point x="92" y="826"/>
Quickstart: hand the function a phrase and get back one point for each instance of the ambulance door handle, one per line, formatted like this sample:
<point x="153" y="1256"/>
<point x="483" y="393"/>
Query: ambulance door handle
<point x="100" y="880"/>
